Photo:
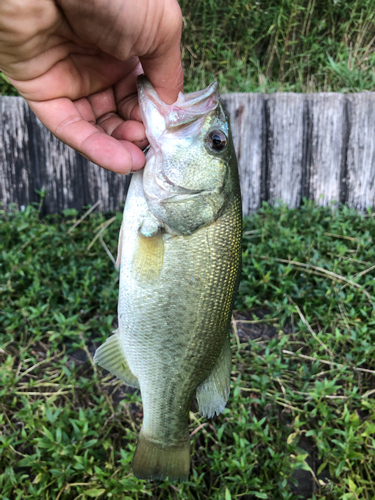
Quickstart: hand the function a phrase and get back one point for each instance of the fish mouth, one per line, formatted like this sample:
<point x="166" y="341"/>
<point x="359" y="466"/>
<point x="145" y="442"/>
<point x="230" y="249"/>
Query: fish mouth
<point x="183" y="118"/>
<point x="187" y="109"/>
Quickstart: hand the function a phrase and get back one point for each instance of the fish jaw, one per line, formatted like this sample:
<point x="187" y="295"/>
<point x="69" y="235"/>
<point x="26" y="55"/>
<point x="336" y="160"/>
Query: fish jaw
<point x="159" y="117"/>
<point x="183" y="175"/>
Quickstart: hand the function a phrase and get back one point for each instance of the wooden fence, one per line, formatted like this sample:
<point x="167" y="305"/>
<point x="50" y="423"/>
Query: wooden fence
<point x="289" y="146"/>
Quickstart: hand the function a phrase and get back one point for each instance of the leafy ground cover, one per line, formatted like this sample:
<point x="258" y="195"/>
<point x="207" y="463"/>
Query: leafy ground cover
<point x="277" y="45"/>
<point x="303" y="380"/>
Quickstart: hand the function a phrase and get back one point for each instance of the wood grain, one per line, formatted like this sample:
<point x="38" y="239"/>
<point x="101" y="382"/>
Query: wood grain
<point x="326" y="140"/>
<point x="246" y="112"/>
<point x="284" y="128"/>
<point x="32" y="159"/>
<point x="289" y="146"/>
<point x="360" y="180"/>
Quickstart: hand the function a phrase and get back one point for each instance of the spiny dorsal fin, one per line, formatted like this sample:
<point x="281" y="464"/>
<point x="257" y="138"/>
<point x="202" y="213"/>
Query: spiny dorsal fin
<point x="111" y="356"/>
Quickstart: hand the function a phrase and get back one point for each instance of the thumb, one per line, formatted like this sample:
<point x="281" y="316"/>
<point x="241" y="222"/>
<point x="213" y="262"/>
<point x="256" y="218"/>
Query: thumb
<point x="163" y="65"/>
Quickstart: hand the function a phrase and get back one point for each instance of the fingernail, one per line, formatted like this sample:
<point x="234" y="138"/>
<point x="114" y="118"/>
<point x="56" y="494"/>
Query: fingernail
<point x="138" y="160"/>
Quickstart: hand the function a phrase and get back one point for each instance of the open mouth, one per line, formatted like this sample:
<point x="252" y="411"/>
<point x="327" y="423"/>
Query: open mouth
<point x="187" y="109"/>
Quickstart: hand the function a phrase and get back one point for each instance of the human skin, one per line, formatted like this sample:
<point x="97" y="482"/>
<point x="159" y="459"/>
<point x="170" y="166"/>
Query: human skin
<point x="76" y="64"/>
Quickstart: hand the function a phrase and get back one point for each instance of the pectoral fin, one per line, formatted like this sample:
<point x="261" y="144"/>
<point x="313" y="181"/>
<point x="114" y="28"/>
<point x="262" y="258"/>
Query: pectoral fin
<point x="213" y="393"/>
<point x="111" y="356"/>
<point x="148" y="256"/>
<point x="119" y="247"/>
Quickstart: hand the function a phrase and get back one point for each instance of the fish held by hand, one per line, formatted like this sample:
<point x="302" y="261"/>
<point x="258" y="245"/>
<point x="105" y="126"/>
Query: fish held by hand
<point x="179" y="259"/>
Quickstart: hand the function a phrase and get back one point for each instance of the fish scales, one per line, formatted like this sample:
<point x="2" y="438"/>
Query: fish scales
<point x="185" y="307"/>
<point x="177" y="285"/>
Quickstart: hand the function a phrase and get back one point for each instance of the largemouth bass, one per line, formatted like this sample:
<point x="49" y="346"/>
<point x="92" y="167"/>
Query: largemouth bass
<point x="179" y="255"/>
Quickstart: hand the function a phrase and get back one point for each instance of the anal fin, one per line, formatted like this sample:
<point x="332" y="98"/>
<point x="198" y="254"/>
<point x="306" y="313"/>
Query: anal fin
<point x="213" y="393"/>
<point x="111" y="356"/>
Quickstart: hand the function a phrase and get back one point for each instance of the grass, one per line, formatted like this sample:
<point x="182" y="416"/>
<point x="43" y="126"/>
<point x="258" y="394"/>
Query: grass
<point x="63" y="434"/>
<point x="6" y="88"/>
<point x="277" y="45"/>
<point x="282" y="45"/>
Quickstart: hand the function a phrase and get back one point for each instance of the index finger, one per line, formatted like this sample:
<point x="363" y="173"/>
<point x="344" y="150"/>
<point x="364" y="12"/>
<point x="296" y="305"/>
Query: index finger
<point x="65" y="121"/>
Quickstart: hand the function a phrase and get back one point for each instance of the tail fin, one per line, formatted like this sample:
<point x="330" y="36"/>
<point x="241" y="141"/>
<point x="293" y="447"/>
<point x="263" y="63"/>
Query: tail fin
<point x="153" y="461"/>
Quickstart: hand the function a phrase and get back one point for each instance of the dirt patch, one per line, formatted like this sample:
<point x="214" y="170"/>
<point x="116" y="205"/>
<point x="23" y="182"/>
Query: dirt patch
<point x="254" y="324"/>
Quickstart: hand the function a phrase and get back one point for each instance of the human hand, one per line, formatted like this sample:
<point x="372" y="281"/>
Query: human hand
<point x="76" y="64"/>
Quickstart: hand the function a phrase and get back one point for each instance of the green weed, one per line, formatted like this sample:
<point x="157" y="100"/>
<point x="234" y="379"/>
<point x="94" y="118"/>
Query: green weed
<point x="276" y="45"/>
<point x="6" y="88"/>
<point x="67" y="431"/>
<point x="282" y="45"/>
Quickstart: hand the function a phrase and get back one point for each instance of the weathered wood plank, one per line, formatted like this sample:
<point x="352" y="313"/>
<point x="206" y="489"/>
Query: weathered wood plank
<point x="284" y="153"/>
<point x="31" y="159"/>
<point x="247" y="115"/>
<point x="16" y="183"/>
<point x="321" y="146"/>
<point x="360" y="174"/>
<point x="326" y="141"/>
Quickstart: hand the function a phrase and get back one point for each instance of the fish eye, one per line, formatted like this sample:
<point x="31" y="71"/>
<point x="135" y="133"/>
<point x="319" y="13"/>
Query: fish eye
<point x="217" y="141"/>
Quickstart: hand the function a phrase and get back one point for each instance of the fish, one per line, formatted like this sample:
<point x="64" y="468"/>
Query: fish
<point x="179" y="257"/>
